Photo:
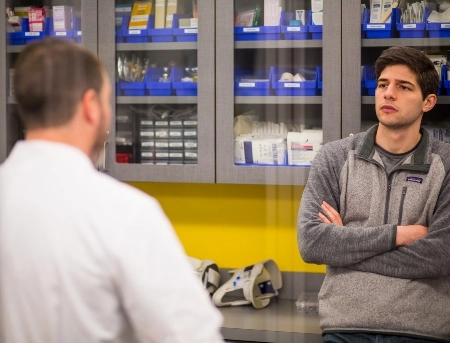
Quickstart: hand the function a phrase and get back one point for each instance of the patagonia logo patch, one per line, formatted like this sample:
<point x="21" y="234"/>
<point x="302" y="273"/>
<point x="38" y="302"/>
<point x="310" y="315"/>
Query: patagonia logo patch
<point x="414" y="179"/>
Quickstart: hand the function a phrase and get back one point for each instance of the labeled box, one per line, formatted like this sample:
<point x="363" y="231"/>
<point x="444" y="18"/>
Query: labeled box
<point x="272" y="11"/>
<point x="173" y="6"/>
<point x="139" y="15"/>
<point x="160" y="14"/>
<point x="62" y="18"/>
<point x="36" y="19"/>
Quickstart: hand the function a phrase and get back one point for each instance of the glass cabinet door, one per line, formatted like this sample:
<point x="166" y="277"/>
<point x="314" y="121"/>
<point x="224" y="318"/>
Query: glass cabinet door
<point x="274" y="108"/>
<point x="364" y="39"/>
<point x="160" y="56"/>
<point x="26" y="22"/>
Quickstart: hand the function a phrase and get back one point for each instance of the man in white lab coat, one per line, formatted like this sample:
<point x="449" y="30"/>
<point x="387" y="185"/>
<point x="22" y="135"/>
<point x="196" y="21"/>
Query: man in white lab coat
<point x="83" y="257"/>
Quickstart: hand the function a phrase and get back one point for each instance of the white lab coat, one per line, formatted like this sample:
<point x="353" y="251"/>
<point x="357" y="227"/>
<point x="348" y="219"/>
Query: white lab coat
<point x="85" y="258"/>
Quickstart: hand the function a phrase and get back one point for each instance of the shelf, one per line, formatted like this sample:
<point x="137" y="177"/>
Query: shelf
<point x="370" y="100"/>
<point x="11" y="49"/>
<point x="417" y="42"/>
<point x="156" y="46"/>
<point x="278" y="44"/>
<point x="277" y="100"/>
<point x="278" y="322"/>
<point x="156" y="100"/>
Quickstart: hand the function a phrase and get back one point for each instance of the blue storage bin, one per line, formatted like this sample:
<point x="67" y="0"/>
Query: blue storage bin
<point x="437" y="30"/>
<point x="294" y="88"/>
<point x="135" y="35"/>
<point x="152" y="85"/>
<point x="73" y="35"/>
<point x="160" y="35"/>
<point x="319" y="80"/>
<point x="77" y="29"/>
<point x="253" y="33"/>
<point x="27" y="37"/>
<point x="132" y="88"/>
<point x="182" y="88"/>
<point x="316" y="31"/>
<point x="252" y="82"/>
<point x="379" y="30"/>
<point x="185" y="34"/>
<point x="416" y="30"/>
<point x="292" y="32"/>
<point x="369" y="80"/>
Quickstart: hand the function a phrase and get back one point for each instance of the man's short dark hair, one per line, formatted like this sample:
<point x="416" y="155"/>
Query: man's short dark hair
<point x="416" y="61"/>
<point x="50" y="79"/>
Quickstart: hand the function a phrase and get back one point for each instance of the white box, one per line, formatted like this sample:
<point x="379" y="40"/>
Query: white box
<point x="62" y="18"/>
<point x="376" y="8"/>
<point x="316" y="6"/>
<point x="302" y="147"/>
<point x="301" y="15"/>
<point x="263" y="149"/>
<point x="272" y="10"/>
<point x="386" y="5"/>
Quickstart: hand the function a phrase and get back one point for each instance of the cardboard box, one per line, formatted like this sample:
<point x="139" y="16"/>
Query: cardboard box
<point x="316" y="6"/>
<point x="173" y="6"/>
<point x="272" y="11"/>
<point x="139" y="15"/>
<point x="36" y="19"/>
<point x="62" y="18"/>
<point x="160" y="14"/>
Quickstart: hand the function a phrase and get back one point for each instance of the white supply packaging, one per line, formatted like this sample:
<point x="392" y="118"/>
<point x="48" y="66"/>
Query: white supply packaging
<point x="316" y="6"/>
<point x="376" y="10"/>
<point x="62" y="18"/>
<point x="263" y="149"/>
<point x="386" y="5"/>
<point x="272" y="11"/>
<point x="317" y="18"/>
<point x="301" y="16"/>
<point x="302" y="147"/>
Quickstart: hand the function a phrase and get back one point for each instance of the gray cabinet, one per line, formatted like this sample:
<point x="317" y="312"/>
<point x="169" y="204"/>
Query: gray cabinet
<point x="358" y="109"/>
<point x="323" y="111"/>
<point x="10" y="127"/>
<point x="152" y="157"/>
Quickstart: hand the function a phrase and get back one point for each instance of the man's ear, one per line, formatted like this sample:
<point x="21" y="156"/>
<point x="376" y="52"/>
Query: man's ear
<point x="429" y="102"/>
<point x="89" y="104"/>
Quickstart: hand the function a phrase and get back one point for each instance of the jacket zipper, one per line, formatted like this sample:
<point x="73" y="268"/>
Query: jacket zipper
<point x="400" y="216"/>
<point x="388" y="198"/>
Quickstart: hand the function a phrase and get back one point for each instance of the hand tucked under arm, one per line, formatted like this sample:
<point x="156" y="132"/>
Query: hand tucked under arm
<point x="410" y="233"/>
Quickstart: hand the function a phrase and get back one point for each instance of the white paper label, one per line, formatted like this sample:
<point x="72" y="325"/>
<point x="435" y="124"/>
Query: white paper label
<point x="78" y="33"/>
<point x="148" y="144"/>
<point x="247" y="84"/>
<point x="134" y="32"/>
<point x="175" y="134"/>
<point x="62" y="33"/>
<point x="409" y="26"/>
<point x="147" y="133"/>
<point x="251" y="29"/>
<point x="147" y="154"/>
<point x="371" y="26"/>
<point x="191" y="31"/>
<point x="32" y="34"/>
<point x="162" y="154"/>
<point x="445" y="26"/>
<point x="292" y="85"/>
<point x="146" y="122"/>
<point x="293" y="28"/>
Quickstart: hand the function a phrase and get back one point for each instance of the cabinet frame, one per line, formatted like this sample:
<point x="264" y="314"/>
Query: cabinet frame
<point x="203" y="171"/>
<point x="226" y="171"/>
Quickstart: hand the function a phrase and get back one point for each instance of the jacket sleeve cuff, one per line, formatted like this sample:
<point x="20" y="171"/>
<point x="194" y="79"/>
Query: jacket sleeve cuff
<point x="394" y="237"/>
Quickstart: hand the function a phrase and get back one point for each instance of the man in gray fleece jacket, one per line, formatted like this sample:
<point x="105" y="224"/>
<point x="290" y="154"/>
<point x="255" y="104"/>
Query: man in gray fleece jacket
<point x="376" y="211"/>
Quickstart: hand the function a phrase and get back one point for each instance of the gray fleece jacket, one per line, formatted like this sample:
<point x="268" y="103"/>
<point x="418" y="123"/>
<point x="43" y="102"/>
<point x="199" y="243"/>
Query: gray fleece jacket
<point x="370" y="285"/>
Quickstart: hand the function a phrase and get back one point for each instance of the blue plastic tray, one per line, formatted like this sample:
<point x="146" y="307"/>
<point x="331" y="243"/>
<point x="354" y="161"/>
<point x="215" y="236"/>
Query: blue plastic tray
<point x="316" y="31"/>
<point x="379" y="30"/>
<point x="185" y="34"/>
<point x="182" y="88"/>
<point x="244" y="86"/>
<point x="153" y="86"/>
<point x="132" y="88"/>
<point x="292" y="32"/>
<point x="254" y="33"/>
<point x="437" y="30"/>
<point x="293" y="88"/>
<point x="416" y="30"/>
<point x="26" y="37"/>
<point x="135" y="35"/>
<point x="369" y="80"/>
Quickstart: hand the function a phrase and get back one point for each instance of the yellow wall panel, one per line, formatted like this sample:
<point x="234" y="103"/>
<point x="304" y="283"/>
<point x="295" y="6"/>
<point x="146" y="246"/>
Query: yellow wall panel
<point x="234" y="225"/>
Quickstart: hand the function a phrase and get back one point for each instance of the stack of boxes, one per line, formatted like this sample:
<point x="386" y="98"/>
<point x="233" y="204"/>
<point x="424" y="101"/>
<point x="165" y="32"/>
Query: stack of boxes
<point x="168" y="141"/>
